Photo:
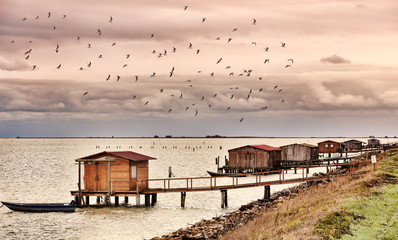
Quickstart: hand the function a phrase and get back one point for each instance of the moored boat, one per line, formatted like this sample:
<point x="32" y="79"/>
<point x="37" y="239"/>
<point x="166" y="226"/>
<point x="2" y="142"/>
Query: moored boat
<point x="214" y="174"/>
<point x="41" y="207"/>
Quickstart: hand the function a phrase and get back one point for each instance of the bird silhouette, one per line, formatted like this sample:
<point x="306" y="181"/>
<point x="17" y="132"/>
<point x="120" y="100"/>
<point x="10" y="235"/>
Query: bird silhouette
<point x="117" y="78"/>
<point x="219" y="60"/>
<point x="109" y="77"/>
<point x="288" y="65"/>
<point x="283" y="44"/>
<point x="241" y="119"/>
<point x="169" y="110"/>
<point x="197" y="51"/>
<point x="136" y="78"/>
<point x="57" y="48"/>
<point x="153" y="74"/>
<point x="100" y="56"/>
<point x="266" y="61"/>
<point x="234" y="30"/>
<point x="85" y="93"/>
<point x="99" y="32"/>
<point x="229" y="39"/>
<point x="34" y="67"/>
<point x="185" y="8"/>
<point x="146" y="103"/>
<point x="196" y="112"/>
<point x="190" y="45"/>
<point x="203" y="20"/>
<point x="59" y="66"/>
<point x="254" y="21"/>
<point x="110" y="19"/>
<point x="49" y="15"/>
<point x="89" y="64"/>
<point x="152" y="35"/>
<point x="125" y="65"/>
<point x="128" y="55"/>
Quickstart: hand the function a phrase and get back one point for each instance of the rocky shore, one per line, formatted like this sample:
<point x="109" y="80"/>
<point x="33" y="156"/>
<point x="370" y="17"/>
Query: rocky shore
<point x="217" y="226"/>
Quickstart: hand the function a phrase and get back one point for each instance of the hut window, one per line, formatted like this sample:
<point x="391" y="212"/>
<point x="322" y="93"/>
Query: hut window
<point x="133" y="171"/>
<point x="326" y="145"/>
<point x="331" y="145"/>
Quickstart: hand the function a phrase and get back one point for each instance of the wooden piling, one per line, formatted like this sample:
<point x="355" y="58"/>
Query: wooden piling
<point x="87" y="200"/>
<point x="183" y="196"/>
<point x="295" y="170"/>
<point x="224" y="199"/>
<point x="147" y="200"/>
<point x="98" y="200"/>
<point x="267" y="192"/>
<point x="126" y="200"/>
<point x="154" y="199"/>
<point x="116" y="201"/>
<point x="137" y="200"/>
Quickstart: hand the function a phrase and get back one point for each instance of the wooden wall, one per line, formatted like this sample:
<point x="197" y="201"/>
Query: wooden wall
<point x="249" y="158"/>
<point x="298" y="152"/>
<point x="325" y="147"/>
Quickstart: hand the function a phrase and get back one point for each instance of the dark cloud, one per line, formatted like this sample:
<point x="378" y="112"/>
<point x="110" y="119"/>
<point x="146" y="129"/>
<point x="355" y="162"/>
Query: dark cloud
<point x="335" y="59"/>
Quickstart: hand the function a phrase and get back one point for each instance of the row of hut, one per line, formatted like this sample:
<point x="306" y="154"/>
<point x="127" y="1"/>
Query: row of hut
<point x="127" y="171"/>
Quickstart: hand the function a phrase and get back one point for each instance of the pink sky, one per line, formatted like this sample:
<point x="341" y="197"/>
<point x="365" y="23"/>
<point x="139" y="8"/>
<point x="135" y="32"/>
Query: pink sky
<point x="342" y="82"/>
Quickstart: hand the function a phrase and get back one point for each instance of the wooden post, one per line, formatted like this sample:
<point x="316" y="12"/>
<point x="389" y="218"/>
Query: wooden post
<point x="107" y="200"/>
<point x="80" y="186"/>
<point x="170" y="172"/>
<point x="183" y="196"/>
<point x="295" y="170"/>
<point x="126" y="200"/>
<point x="267" y="192"/>
<point x="137" y="200"/>
<point x="98" y="200"/>
<point x="224" y="199"/>
<point x="154" y="199"/>
<point x="147" y="200"/>
<point x="87" y="200"/>
<point x="116" y="201"/>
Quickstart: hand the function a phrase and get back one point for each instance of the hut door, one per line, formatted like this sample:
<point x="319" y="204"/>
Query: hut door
<point x="96" y="177"/>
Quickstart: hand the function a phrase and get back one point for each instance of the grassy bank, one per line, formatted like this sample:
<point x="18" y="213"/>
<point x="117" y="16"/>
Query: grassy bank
<point x="362" y="207"/>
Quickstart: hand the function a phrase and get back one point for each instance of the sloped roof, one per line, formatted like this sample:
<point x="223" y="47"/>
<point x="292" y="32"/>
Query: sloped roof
<point x="262" y="147"/>
<point x="303" y="144"/>
<point x="353" y="140"/>
<point x="329" y="141"/>
<point x="128" y="155"/>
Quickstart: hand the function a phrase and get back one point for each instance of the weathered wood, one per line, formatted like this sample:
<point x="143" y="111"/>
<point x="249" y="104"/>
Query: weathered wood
<point x="126" y="200"/>
<point x="147" y="200"/>
<point x="183" y="196"/>
<point x="98" y="200"/>
<point x="87" y="200"/>
<point x="224" y="199"/>
<point x="116" y="201"/>
<point x="267" y="192"/>
<point x="154" y="199"/>
<point x="137" y="201"/>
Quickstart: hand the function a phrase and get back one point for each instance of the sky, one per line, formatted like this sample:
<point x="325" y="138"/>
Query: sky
<point x="193" y="68"/>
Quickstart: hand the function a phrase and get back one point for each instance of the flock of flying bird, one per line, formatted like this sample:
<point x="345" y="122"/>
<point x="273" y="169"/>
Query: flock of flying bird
<point x="164" y="53"/>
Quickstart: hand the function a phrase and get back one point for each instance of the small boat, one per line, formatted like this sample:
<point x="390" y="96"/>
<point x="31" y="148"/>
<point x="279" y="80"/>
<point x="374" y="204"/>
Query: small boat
<point x="42" y="207"/>
<point x="214" y="174"/>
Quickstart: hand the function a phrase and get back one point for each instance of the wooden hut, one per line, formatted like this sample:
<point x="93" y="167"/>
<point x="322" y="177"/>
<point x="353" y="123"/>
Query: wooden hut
<point x="299" y="152"/>
<point x="352" y="145"/>
<point x="373" y="142"/>
<point x="329" y="147"/>
<point x="254" y="158"/>
<point x="115" y="171"/>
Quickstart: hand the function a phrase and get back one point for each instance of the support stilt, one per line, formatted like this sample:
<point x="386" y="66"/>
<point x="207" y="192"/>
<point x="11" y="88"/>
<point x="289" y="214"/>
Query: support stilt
<point x="147" y="200"/>
<point x="87" y="200"/>
<point x="183" y="196"/>
<point x="126" y="200"/>
<point x="98" y="200"/>
<point x="154" y="199"/>
<point x="267" y="192"/>
<point x="295" y="170"/>
<point x="224" y="199"/>
<point x="116" y="201"/>
<point x="137" y="200"/>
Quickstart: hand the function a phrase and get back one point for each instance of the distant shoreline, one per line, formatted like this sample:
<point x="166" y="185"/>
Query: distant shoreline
<point x="182" y="137"/>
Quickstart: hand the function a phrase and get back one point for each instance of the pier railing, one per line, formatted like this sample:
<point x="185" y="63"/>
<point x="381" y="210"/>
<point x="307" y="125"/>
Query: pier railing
<point x="251" y="180"/>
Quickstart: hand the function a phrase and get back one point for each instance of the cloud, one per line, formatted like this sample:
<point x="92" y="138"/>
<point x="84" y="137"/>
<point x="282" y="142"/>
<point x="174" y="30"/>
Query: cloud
<point x="335" y="59"/>
<point x="15" y="65"/>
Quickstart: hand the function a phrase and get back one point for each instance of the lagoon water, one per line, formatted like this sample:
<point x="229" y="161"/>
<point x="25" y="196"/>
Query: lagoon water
<point x="44" y="170"/>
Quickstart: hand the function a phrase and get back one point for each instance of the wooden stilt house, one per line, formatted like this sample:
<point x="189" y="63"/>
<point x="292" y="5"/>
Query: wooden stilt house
<point x="300" y="152"/>
<point x="328" y="147"/>
<point x="254" y="158"/>
<point x="115" y="171"/>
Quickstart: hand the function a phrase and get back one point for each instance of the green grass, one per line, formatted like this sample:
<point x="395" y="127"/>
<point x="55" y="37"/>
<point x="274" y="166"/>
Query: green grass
<point x="372" y="215"/>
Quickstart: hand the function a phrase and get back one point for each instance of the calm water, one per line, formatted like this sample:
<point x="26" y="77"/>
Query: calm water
<point x="44" y="170"/>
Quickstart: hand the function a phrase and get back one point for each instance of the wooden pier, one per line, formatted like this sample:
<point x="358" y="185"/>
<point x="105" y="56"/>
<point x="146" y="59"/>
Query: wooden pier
<point x="222" y="184"/>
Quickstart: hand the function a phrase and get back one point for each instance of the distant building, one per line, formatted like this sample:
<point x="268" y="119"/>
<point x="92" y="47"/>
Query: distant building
<point x="373" y="142"/>
<point x="352" y="145"/>
<point x="254" y="158"/>
<point x="329" y="147"/>
<point x="299" y="152"/>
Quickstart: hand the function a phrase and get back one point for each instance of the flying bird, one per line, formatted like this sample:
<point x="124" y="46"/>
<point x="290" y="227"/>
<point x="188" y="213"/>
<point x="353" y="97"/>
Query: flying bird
<point x="99" y="32"/>
<point x="228" y="108"/>
<point x="241" y="119"/>
<point x="196" y="112"/>
<point x="290" y="60"/>
<point x="85" y="93"/>
<point x="146" y="103"/>
<point x="203" y="20"/>
<point x="136" y="78"/>
<point x="89" y="64"/>
<point x="27" y="52"/>
<point x="174" y="49"/>
<point x="234" y="30"/>
<point x="219" y="60"/>
<point x="229" y="39"/>
<point x="283" y="44"/>
<point x="190" y="45"/>
<point x="197" y="51"/>
<point x="171" y="72"/>
<point x="109" y="77"/>
<point x="170" y="110"/>
<point x="27" y="57"/>
<point x="152" y="35"/>
<point x="117" y="78"/>
<point x="254" y="21"/>
<point x="185" y="8"/>
<point x="89" y="45"/>
<point x="59" y="66"/>
<point x="34" y="67"/>
<point x="125" y="65"/>
<point x="113" y="44"/>
<point x="49" y="15"/>
<point x="57" y="48"/>
<point x="23" y="19"/>
<point x="266" y="61"/>
<point x="288" y="65"/>
<point x="254" y="43"/>
<point x="78" y="37"/>
<point x="266" y="49"/>
<point x="100" y="56"/>
<point x="54" y="28"/>
<point x="275" y="87"/>
<point x="110" y="19"/>
<point x="127" y="56"/>
<point x="153" y="74"/>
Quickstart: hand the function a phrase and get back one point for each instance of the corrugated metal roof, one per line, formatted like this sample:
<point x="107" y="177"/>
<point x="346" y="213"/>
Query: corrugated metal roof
<point x="128" y="155"/>
<point x="302" y="144"/>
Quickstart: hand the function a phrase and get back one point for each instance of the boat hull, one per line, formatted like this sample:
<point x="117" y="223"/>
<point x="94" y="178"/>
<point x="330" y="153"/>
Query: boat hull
<point x="40" y="207"/>
<point x="214" y="174"/>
